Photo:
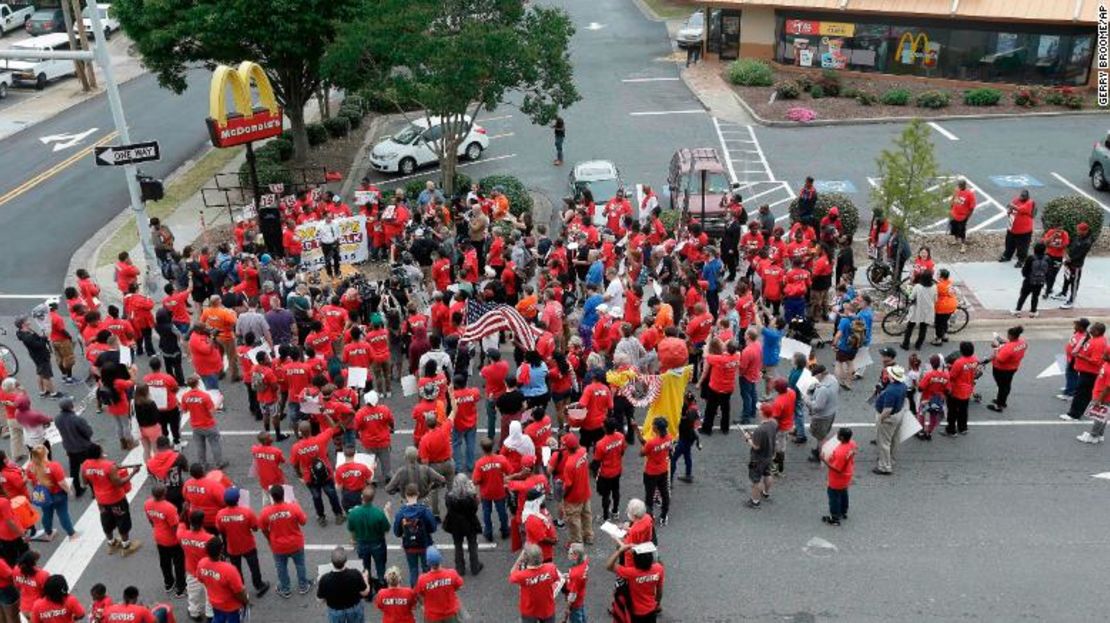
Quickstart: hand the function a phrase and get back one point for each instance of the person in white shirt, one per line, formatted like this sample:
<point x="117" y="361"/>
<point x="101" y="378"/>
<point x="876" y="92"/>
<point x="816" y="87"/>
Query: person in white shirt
<point x="614" y="293"/>
<point x="327" y="234"/>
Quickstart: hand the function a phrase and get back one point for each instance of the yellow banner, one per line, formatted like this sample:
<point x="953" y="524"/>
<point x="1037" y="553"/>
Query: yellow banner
<point x="837" y="29"/>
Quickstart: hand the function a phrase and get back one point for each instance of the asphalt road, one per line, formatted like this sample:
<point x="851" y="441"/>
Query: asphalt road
<point x="51" y="201"/>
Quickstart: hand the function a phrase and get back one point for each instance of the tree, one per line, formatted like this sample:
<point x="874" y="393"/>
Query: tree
<point x="287" y="38"/>
<point x="910" y="191"/>
<point x="452" y="58"/>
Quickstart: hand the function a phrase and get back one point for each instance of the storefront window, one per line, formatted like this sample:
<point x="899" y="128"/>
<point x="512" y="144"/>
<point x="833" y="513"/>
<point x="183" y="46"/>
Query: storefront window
<point x="932" y="48"/>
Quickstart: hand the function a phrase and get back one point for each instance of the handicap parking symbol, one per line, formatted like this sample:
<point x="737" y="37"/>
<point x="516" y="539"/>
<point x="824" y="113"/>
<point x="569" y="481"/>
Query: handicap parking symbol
<point x="1020" y="180"/>
<point x="834" y="186"/>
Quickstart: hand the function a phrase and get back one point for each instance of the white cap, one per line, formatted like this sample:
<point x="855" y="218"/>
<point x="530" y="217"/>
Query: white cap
<point x="616" y="312"/>
<point x="603" y="308"/>
<point x="371" y="397"/>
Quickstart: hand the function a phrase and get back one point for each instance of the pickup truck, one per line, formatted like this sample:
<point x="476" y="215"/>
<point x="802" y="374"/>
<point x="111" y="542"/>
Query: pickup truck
<point x="108" y="20"/>
<point x="14" y="16"/>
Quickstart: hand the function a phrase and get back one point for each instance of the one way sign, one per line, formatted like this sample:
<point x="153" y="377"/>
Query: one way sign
<point x="119" y="155"/>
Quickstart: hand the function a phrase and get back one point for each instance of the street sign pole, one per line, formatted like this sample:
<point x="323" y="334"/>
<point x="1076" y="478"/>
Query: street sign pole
<point x="152" y="275"/>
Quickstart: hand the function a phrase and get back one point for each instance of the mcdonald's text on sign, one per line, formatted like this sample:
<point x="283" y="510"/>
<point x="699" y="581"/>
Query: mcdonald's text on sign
<point x="247" y="123"/>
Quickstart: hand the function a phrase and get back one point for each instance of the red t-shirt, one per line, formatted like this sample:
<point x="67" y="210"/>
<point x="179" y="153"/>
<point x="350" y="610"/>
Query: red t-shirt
<point x="466" y="408"/>
<point x="772" y="276"/>
<point x="128" y="613"/>
<point x="1101" y="382"/>
<point x="963" y="203"/>
<point x="46" y="611"/>
<point x="29" y="586"/>
<point x="657" y="455"/>
<point x="723" y="370"/>
<point x="267" y="464"/>
<point x="783" y="409"/>
<point x="200" y="407"/>
<point x="540" y="531"/>
<point x="95" y="472"/>
<point x="193" y="543"/>
<point x="1009" y="355"/>
<point x="609" y="452"/>
<point x="598" y="401"/>
<point x="397" y="604"/>
<point x="489" y="476"/>
<point x="495" y="374"/>
<point x="352" y="476"/>
<point x="842" y="464"/>
<point x="961" y="377"/>
<point x="576" y="477"/>
<point x="164" y="519"/>
<point x="1089" y="355"/>
<point x="223" y="583"/>
<point x="643" y="585"/>
<point x="575" y="588"/>
<point x="435" y="445"/>
<point x="306" y="451"/>
<point x="298" y="375"/>
<point x="537" y="590"/>
<point x="204" y="494"/>
<point x="439" y="589"/>
<point x="374" y="425"/>
<point x="237" y="525"/>
<point x="357" y="354"/>
<point x="1023" y="216"/>
<point x="167" y="382"/>
<point x="121" y="407"/>
<point x="178" y="306"/>
<point x="282" y="525"/>
<point x="379" y="345"/>
<point x="698" y="328"/>
<point x="932" y="384"/>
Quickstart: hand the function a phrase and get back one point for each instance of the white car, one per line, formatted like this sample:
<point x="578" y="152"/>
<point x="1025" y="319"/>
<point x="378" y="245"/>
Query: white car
<point x="39" y="71"/>
<point x="416" y="145"/>
<point x="692" y="31"/>
<point x="14" y="16"/>
<point x="108" y="21"/>
<point x="602" y="179"/>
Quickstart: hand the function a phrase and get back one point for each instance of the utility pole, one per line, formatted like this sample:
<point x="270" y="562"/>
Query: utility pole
<point x="100" y="50"/>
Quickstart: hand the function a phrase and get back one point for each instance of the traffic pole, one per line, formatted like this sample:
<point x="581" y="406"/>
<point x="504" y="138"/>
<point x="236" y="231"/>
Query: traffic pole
<point x="152" y="275"/>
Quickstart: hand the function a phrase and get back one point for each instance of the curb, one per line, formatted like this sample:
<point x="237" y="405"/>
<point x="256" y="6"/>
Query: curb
<point x="904" y="119"/>
<point x="372" y="130"/>
<point x="648" y="12"/>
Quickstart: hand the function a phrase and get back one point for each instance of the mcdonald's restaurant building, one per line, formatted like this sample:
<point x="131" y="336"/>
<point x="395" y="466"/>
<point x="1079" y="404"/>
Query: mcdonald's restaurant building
<point x="1007" y="41"/>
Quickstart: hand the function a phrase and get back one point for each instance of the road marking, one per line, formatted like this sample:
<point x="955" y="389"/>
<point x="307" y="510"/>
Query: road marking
<point x="728" y="158"/>
<point x="27" y="296"/>
<point x="763" y="159"/>
<point x="760" y="194"/>
<point x="327" y="547"/>
<point x="656" y="113"/>
<point x="994" y="423"/>
<point x="945" y="133"/>
<point x="1078" y="190"/>
<point x="594" y="26"/>
<point x="504" y="135"/>
<point x="54" y="170"/>
<point x="650" y="79"/>
<point x="1019" y="180"/>
<point x="495" y="118"/>
<point x="251" y="433"/>
<point x="781" y="201"/>
<point x="65" y="141"/>
<point x="433" y="171"/>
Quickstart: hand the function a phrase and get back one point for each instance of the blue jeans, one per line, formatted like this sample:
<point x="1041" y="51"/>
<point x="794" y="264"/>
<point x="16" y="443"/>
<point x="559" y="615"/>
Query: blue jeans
<point x="368" y="551"/>
<point x="211" y="381"/>
<point x="225" y="616"/>
<point x="1071" y="380"/>
<point x="491" y="419"/>
<point x="747" y="399"/>
<point x="183" y="328"/>
<point x="577" y="615"/>
<point x="353" y="614"/>
<point x="683" y="448"/>
<point x="457" y="439"/>
<point x="57" y="503"/>
<point x="800" y="420"/>
<point x="418" y="563"/>
<point x="282" y="563"/>
<point x="838" y="503"/>
<point x="318" y="492"/>
<point x="487" y="518"/>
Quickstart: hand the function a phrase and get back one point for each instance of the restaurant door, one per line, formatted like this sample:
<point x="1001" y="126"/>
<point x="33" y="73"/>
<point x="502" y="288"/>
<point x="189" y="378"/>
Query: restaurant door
<point x="727" y="24"/>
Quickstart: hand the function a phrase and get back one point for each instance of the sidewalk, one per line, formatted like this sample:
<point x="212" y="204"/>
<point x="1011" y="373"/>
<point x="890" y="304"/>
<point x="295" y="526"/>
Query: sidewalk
<point x="704" y="79"/>
<point x="994" y="288"/>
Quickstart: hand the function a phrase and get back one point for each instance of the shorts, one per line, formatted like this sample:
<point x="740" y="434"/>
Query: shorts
<point x="151" y="433"/>
<point x="116" y="517"/>
<point x="557" y="397"/>
<point x="268" y="409"/>
<point x="63" y="353"/>
<point x="957" y="228"/>
<point x="44" y="370"/>
<point x="819" y="427"/>
<point x="758" y="470"/>
<point x="844" y="356"/>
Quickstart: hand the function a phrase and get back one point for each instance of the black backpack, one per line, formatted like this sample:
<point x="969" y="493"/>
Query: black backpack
<point x="413" y="534"/>
<point x="318" y="472"/>
<point x="1038" y="271"/>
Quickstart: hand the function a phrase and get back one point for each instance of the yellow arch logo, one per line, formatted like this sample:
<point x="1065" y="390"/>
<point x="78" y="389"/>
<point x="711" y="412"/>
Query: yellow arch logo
<point x="910" y="48"/>
<point x="246" y="123"/>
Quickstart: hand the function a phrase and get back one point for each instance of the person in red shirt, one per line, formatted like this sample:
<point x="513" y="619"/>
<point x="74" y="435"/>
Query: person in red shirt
<point x="139" y="310"/>
<point x="933" y="386"/>
<point x="1020" y="233"/>
<point x="56" y="605"/>
<point x="306" y="456"/>
<point x="223" y="583"/>
<point x="963" y="204"/>
<point x="281" y="523"/>
<point x="772" y="276"/>
<point x="264" y="382"/>
<point x="352" y="477"/>
<point x="378" y="339"/>
<point x="397" y="603"/>
<point x="597" y="400"/>
<point x="1004" y="365"/>
<point x="435" y="452"/>
<point x="177" y="302"/>
<point x="201" y="408"/>
<point x="170" y="416"/>
<point x="465" y="400"/>
<point x="29" y="579"/>
<point x="1089" y="354"/>
<point x="494" y="374"/>
<point x="722" y="366"/>
<point x="194" y="538"/>
<point x="608" y="456"/>
<point x="842" y="465"/>
<point x="961" y="379"/>
<point x="130" y="610"/>
<point x="644" y="578"/>
<point x="110" y="484"/>
<point x="374" y="427"/>
<point x="782" y="407"/>
<point x="489" y="474"/>
<point x="204" y="492"/>
<point x="438" y="589"/>
<point x="576" y="491"/>
<point x="657" y="462"/>
<point x="237" y="525"/>
<point x="268" y="460"/>
<point x="126" y="272"/>
<point x="537" y="581"/>
<point x="164" y="520"/>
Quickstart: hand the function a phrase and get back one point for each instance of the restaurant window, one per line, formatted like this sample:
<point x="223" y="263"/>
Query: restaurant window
<point x="1025" y="54"/>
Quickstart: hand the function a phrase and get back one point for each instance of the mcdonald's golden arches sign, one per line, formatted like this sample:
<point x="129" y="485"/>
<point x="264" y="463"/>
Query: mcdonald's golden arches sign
<point x="246" y="123"/>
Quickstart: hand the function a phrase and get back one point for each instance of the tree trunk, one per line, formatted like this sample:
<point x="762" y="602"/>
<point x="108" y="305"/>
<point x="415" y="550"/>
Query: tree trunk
<point x="78" y="66"/>
<point x="448" y="165"/>
<point x="295" y="113"/>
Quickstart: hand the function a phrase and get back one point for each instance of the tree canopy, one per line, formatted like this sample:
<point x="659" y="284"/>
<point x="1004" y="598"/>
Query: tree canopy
<point x="911" y="191"/>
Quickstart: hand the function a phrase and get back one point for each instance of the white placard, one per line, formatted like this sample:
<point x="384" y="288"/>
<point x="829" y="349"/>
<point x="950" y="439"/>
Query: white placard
<point x="806" y="381"/>
<point x="363" y="197"/>
<point x="545" y="453"/>
<point x="252" y="354"/>
<point x="369" y="460"/>
<point x="53" y="436"/>
<point x="909" y="427"/>
<point x="863" y="359"/>
<point x="160" y="397"/>
<point x="613" y="530"/>
<point x="125" y="356"/>
<point x="310" y="406"/>
<point x="289" y="495"/>
<point x="791" y="346"/>
<point x="356" y="377"/>
<point x="831" y="445"/>
<point x="408" y="385"/>
<point x="244" y="498"/>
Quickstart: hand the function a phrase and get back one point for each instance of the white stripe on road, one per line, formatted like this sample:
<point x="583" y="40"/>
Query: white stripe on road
<point x="495" y="118"/>
<point x="504" y="135"/>
<point x="971" y="423"/>
<point x="27" y="296"/>
<point x="781" y="201"/>
<point x="251" y="433"/>
<point x="434" y="171"/>
<point x="945" y="133"/>
<point x="990" y="221"/>
<point x="763" y="159"/>
<point x="728" y="158"/>
<point x="650" y="79"/>
<point x="653" y="113"/>
<point x="327" y="547"/>
<point x="752" y="198"/>
<point x="1077" y="189"/>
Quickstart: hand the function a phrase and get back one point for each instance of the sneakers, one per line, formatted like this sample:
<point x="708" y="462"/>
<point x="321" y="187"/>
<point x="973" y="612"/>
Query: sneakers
<point x="262" y="590"/>
<point x="130" y="547"/>
<point x="304" y="589"/>
<point x="752" y="504"/>
<point x="1016" y="313"/>
<point x="880" y="472"/>
<point x="1035" y="314"/>
<point x="323" y="521"/>
<point x="1063" y="396"/>
<point x="340" y="519"/>
<point x="663" y="520"/>
<point x="1068" y="418"/>
<point x="1066" y="305"/>
<point x="286" y="594"/>
<point x="830" y="520"/>
<point x="995" y="407"/>
<point x="1085" y="437"/>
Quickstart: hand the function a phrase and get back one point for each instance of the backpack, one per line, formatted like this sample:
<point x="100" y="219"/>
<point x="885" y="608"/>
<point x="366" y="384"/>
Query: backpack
<point x="413" y="533"/>
<point x="859" y="334"/>
<point x="1038" y="271"/>
<point x="318" y="472"/>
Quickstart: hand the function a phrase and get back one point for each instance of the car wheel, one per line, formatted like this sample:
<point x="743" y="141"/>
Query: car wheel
<point x="1098" y="177"/>
<point x="407" y="166"/>
<point x="40" y="82"/>
<point x="474" y="151"/>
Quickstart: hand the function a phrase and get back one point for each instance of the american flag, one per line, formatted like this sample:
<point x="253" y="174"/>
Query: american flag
<point x="485" y="319"/>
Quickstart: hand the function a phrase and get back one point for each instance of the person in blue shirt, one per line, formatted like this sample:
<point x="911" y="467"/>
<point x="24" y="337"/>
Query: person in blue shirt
<point x="535" y="390"/>
<point x="590" y="313"/>
<point x="595" y="275"/>
<point x="890" y="407"/>
<point x="772" y="346"/>
<point x="867" y="315"/>
<point x="711" y="274"/>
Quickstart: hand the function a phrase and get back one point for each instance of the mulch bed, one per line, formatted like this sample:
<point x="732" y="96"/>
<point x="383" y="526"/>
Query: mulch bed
<point x="338" y="153"/>
<point x="843" y="108"/>
<point x="981" y="247"/>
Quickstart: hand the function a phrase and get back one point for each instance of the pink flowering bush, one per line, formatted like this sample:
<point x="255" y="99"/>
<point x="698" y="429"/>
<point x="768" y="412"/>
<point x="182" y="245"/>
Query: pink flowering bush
<point x="801" y="114"/>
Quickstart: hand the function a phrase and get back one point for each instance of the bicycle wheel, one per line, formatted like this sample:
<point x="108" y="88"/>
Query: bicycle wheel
<point x="880" y="276"/>
<point x="10" y="361"/>
<point x="959" y="320"/>
<point x="894" y="322"/>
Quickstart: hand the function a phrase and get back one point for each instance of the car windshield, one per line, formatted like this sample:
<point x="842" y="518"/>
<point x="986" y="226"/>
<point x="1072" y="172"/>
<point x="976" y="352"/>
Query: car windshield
<point x="602" y="190"/>
<point x="696" y="20"/>
<point x="407" y="134"/>
<point x="716" y="183"/>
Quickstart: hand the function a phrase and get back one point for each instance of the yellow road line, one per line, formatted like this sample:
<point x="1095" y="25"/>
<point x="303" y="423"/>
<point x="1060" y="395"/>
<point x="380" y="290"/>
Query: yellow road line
<point x="54" y="170"/>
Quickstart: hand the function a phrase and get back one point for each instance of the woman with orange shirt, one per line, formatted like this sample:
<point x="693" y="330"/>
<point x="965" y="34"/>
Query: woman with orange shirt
<point x="944" y="307"/>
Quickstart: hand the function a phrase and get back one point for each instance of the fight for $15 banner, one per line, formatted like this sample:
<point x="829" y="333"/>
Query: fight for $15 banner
<point x="352" y="242"/>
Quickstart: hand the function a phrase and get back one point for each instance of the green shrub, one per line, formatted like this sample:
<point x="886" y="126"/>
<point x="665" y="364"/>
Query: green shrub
<point x="982" y="97"/>
<point x="830" y="82"/>
<point x="520" y="201"/>
<point x="805" y="81"/>
<point x="283" y="147"/>
<point x="670" y="219"/>
<point x="750" y="72"/>
<point x="895" y="97"/>
<point x="788" y="90"/>
<point x="849" y="214"/>
<point x="337" y="127"/>
<point x="817" y="91"/>
<point x="867" y="98"/>
<point x="414" y="187"/>
<point x="932" y="99"/>
<point x="317" y="134"/>
<point x="269" y="172"/>
<point x="268" y="151"/>
<point x="353" y="114"/>
<point x="1068" y="211"/>
<point x="1026" y="98"/>
<point x="849" y="92"/>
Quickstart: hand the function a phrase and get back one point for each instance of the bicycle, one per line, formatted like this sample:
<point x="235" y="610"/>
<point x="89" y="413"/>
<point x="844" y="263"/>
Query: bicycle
<point x="7" y="356"/>
<point x="895" y="324"/>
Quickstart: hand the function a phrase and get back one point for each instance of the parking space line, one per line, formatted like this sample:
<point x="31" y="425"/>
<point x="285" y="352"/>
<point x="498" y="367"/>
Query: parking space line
<point x="327" y="547"/>
<point x="945" y="133"/>
<point x="656" y="113"/>
<point x="766" y="192"/>
<point x="990" y="221"/>
<point x="762" y="156"/>
<point x="1065" y="182"/>
<point x="728" y="157"/>
<point x="504" y="135"/>
<point x="436" y="170"/>
<point x="633" y="80"/>
<point x="780" y="201"/>
<point x="488" y="119"/>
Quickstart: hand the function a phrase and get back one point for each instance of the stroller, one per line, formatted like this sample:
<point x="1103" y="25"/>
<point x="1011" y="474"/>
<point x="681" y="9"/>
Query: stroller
<point x="803" y="329"/>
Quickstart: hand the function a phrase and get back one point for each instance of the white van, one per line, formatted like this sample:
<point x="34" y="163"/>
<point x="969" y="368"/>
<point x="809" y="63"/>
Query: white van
<point x="39" y="71"/>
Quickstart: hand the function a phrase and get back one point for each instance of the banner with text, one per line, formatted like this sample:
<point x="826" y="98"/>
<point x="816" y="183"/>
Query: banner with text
<point x="352" y="242"/>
